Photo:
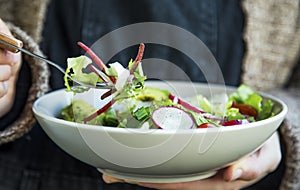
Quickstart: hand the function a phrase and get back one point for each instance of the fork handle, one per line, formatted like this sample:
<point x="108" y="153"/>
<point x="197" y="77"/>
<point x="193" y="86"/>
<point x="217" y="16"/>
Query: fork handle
<point x="11" y="40"/>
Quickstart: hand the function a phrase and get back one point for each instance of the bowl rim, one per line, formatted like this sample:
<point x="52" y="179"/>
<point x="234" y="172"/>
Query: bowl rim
<point x="38" y="112"/>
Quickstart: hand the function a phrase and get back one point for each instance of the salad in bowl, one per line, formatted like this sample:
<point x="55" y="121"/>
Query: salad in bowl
<point x="134" y="105"/>
<point x="154" y="131"/>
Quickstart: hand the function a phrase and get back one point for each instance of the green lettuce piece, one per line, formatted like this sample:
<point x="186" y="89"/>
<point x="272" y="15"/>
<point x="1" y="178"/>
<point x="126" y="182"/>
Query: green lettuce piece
<point x="233" y="114"/>
<point x="245" y="95"/>
<point x="130" y="64"/>
<point x="267" y="110"/>
<point x="135" y="87"/>
<point x="203" y="103"/>
<point x="76" y="65"/>
<point x="199" y="118"/>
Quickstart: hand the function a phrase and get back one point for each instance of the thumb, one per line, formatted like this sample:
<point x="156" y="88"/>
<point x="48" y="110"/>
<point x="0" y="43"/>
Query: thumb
<point x="257" y="164"/>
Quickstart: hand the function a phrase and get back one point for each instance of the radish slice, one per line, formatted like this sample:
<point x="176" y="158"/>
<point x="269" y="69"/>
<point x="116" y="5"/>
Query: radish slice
<point x="172" y="118"/>
<point x="122" y="73"/>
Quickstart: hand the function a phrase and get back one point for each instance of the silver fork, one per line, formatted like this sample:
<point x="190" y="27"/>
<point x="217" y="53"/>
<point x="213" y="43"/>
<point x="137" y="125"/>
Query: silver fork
<point x="14" y="45"/>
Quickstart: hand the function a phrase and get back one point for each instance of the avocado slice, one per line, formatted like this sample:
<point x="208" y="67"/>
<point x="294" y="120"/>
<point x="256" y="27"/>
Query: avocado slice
<point x="153" y="94"/>
<point x="77" y="111"/>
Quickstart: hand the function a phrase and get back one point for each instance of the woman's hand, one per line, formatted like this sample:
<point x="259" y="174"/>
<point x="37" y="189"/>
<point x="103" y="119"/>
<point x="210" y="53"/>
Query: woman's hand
<point x="239" y="175"/>
<point x="10" y="64"/>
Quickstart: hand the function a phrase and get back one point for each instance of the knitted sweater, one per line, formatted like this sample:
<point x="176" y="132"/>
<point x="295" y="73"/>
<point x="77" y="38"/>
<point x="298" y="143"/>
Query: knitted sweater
<point x="271" y="63"/>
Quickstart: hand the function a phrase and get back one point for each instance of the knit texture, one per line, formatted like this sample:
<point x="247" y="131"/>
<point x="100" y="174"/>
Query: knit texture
<point x="272" y="36"/>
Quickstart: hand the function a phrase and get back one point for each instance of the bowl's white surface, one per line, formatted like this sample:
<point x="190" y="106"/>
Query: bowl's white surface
<point x="154" y="155"/>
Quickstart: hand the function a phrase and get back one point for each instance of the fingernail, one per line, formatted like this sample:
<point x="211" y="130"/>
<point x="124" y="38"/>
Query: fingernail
<point x="5" y="84"/>
<point x="3" y="88"/>
<point x="236" y="174"/>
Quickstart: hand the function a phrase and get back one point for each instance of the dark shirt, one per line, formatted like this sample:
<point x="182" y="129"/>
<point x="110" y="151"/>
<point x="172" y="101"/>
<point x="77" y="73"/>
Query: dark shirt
<point x="218" y="24"/>
<point x="34" y="161"/>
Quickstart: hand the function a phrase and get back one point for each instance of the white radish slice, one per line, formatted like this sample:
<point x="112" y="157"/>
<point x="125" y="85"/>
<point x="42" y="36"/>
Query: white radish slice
<point x="172" y="118"/>
<point x="122" y="79"/>
<point x="122" y="73"/>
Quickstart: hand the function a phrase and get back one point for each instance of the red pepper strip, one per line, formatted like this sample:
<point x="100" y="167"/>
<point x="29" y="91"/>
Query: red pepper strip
<point x="203" y="125"/>
<point x="245" y="109"/>
<point x="138" y="58"/>
<point x="206" y="125"/>
<point x="98" y="112"/>
<point x="108" y="93"/>
<point x="97" y="60"/>
<point x="185" y="104"/>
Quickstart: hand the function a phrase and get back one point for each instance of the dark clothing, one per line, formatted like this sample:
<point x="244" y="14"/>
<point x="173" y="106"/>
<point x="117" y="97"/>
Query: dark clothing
<point x="218" y="24"/>
<point x="34" y="161"/>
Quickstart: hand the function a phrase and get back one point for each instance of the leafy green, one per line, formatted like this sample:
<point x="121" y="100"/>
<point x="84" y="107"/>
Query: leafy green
<point x="134" y="87"/>
<point x="204" y="103"/>
<point x="245" y="95"/>
<point x="267" y="110"/>
<point x="75" y="67"/>
<point x="234" y="114"/>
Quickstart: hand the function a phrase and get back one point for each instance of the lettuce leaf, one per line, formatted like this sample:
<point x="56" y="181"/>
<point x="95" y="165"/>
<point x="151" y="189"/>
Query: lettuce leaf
<point x="245" y="95"/>
<point x="75" y="69"/>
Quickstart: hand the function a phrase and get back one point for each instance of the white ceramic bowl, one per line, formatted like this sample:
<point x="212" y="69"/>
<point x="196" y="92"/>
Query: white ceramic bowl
<point x="155" y="155"/>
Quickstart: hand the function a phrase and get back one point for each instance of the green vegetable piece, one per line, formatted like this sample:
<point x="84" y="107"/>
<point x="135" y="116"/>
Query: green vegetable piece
<point x="267" y="110"/>
<point x="78" y="110"/>
<point x="153" y="94"/>
<point x="234" y="114"/>
<point x="110" y="118"/>
<point x="76" y="65"/>
<point x="245" y="95"/>
<point x="141" y="114"/>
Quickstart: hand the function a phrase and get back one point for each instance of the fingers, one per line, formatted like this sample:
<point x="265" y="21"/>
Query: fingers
<point x="109" y="179"/>
<point x="214" y="183"/>
<point x="239" y="175"/>
<point x="8" y="58"/>
<point x="3" y="88"/>
<point x="258" y="164"/>
<point x="5" y="72"/>
<point x="10" y="65"/>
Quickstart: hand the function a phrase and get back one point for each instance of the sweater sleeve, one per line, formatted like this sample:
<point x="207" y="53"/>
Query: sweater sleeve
<point x="290" y="132"/>
<point x="39" y="75"/>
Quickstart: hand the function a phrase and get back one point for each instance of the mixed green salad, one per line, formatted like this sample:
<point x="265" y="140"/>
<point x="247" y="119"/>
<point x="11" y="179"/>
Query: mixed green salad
<point x="134" y="105"/>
